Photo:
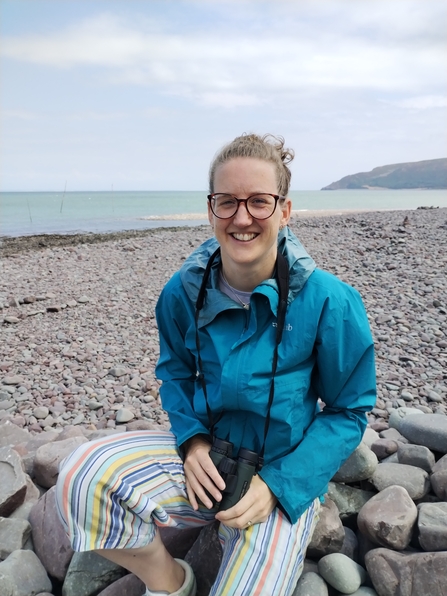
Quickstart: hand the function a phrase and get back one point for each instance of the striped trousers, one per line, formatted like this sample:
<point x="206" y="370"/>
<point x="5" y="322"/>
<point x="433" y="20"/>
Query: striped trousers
<point x="114" y="492"/>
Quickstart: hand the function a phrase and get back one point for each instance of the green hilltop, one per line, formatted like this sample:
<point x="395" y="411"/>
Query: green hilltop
<point x="430" y="174"/>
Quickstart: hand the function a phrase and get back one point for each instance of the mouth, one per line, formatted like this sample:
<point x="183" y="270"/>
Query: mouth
<point x="244" y="237"/>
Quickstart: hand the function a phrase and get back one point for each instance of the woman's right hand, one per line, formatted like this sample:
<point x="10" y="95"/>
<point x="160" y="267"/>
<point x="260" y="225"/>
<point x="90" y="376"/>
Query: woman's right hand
<point x="201" y="474"/>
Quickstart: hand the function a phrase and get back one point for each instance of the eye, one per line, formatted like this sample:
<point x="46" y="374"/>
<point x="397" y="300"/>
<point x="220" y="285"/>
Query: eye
<point x="260" y="200"/>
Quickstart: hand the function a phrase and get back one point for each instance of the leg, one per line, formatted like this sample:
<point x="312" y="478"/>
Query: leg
<point x="113" y="493"/>
<point x="267" y="558"/>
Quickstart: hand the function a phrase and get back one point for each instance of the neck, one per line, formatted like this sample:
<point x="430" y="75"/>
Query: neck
<point x="245" y="277"/>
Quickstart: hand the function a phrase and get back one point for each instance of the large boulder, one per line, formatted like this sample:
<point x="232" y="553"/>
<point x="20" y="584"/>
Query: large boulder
<point x="205" y="558"/>
<point x="360" y="465"/>
<point x="49" y="456"/>
<point x="415" y="480"/>
<point x="432" y="526"/>
<point x="329" y="532"/>
<point x="13" y="481"/>
<point x="388" y="518"/>
<point x="429" y="430"/>
<point x="25" y="572"/>
<point x="341" y="572"/>
<point x="89" y="573"/>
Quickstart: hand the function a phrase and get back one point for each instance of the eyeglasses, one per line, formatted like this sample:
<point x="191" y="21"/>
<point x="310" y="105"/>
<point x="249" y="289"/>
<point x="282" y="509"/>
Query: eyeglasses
<point x="259" y="206"/>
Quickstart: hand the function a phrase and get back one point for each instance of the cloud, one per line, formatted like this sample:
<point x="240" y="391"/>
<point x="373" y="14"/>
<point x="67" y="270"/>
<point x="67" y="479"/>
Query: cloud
<point x="307" y="47"/>
<point x="423" y="102"/>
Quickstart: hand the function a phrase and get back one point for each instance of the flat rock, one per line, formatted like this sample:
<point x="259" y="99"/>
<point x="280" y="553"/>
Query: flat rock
<point x="400" y="414"/>
<point x="26" y="573"/>
<point x="329" y="533"/>
<point x="388" y="518"/>
<point x="129" y="585"/>
<point x="415" y="480"/>
<point x="11" y="434"/>
<point x="405" y="574"/>
<point x="429" y="430"/>
<point x="49" y="456"/>
<point x="341" y="572"/>
<point x="51" y="543"/>
<point x="360" y="465"/>
<point x="432" y="526"/>
<point x="13" y="481"/>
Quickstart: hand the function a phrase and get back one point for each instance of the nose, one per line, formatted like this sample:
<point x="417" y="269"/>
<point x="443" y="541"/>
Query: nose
<point x="242" y="217"/>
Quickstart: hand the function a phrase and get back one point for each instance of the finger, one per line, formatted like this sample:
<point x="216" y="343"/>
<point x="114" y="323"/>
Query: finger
<point x="200" y="493"/>
<point x="191" y="496"/>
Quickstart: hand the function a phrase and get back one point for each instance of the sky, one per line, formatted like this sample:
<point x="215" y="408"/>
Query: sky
<point x="140" y="94"/>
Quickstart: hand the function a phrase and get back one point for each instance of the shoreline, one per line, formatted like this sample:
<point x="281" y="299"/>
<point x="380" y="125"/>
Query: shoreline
<point x="10" y="245"/>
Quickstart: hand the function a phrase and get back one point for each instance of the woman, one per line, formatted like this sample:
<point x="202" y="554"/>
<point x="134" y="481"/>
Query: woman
<point x="251" y="335"/>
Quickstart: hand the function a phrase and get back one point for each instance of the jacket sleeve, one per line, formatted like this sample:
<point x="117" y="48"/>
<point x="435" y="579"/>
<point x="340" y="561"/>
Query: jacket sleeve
<point x="176" y="367"/>
<point x="344" y="378"/>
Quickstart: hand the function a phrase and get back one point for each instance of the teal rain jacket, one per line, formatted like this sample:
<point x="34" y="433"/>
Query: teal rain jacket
<point x="326" y="351"/>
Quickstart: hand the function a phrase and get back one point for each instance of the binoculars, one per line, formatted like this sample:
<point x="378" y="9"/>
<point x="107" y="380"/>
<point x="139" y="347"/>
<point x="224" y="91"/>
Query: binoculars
<point x="236" y="473"/>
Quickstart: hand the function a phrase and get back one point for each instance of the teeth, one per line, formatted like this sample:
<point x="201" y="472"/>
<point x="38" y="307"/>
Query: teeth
<point x="244" y="237"/>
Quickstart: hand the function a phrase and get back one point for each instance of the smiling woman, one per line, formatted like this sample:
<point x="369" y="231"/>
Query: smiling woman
<point x="252" y="334"/>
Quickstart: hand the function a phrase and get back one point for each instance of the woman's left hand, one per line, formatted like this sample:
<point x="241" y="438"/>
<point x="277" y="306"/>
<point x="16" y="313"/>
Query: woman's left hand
<point x="254" y="507"/>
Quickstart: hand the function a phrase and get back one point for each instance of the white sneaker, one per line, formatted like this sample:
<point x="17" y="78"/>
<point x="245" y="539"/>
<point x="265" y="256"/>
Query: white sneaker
<point x="188" y="588"/>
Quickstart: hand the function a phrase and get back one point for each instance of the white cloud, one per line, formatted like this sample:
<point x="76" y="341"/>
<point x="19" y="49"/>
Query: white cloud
<point x="422" y="102"/>
<point x="229" y="68"/>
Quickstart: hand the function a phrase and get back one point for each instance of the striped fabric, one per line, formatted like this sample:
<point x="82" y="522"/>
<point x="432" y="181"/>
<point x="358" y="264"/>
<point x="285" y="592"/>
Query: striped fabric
<point x="114" y="492"/>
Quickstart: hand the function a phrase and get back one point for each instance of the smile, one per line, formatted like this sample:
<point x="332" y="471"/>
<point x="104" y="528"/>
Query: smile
<point x="244" y="237"/>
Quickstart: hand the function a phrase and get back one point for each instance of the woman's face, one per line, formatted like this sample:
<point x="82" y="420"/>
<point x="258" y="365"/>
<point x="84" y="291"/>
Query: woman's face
<point x="243" y="239"/>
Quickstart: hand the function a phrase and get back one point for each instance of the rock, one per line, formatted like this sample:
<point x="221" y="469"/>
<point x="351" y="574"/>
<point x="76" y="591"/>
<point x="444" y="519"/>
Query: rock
<point x="416" y="455"/>
<point x="415" y="480"/>
<point x="89" y="573"/>
<point x="341" y="572"/>
<point x="51" y="543"/>
<point x="26" y="573"/>
<point x="311" y="584"/>
<point x="179" y="542"/>
<point x="404" y="574"/>
<point x="349" y="501"/>
<point x="384" y="447"/>
<point x="388" y="518"/>
<point x="362" y="591"/>
<point x="118" y="371"/>
<point x="129" y="585"/>
<point x="329" y="533"/>
<point x="13" y="481"/>
<point x="205" y="558"/>
<point x="439" y="478"/>
<point x="359" y="466"/>
<point x="432" y="526"/>
<point x="49" y="456"/>
<point x="41" y="412"/>
<point x="13" y="380"/>
<point x="10" y="434"/>
<point x="350" y="545"/>
<point x="83" y="299"/>
<point x="399" y="414"/>
<point x="124" y="415"/>
<point x="369" y="436"/>
<point x="13" y="535"/>
<point x="429" y="430"/>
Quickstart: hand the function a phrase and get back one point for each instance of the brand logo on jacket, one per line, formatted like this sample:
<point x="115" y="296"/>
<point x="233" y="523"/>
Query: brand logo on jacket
<point x="287" y="327"/>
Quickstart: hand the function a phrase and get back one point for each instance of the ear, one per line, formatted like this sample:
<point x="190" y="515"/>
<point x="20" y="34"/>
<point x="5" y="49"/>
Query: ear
<point x="286" y="210"/>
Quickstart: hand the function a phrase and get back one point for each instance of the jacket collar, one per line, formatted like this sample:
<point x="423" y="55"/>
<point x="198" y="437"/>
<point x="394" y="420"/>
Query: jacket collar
<point x="301" y="266"/>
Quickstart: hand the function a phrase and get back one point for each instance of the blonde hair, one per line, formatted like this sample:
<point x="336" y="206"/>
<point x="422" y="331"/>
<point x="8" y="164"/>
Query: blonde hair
<point x="268" y="148"/>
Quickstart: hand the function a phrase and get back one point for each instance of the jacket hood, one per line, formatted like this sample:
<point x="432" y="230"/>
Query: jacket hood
<point x="301" y="265"/>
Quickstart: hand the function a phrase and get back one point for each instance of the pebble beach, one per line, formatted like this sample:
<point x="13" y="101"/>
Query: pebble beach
<point x="79" y="339"/>
<point x="79" y="346"/>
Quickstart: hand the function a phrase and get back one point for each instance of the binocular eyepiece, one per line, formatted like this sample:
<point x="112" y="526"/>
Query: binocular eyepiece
<point x="236" y="473"/>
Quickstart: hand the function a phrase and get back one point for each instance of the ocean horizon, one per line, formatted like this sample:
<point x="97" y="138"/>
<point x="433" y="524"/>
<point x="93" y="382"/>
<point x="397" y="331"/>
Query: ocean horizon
<point x="33" y="213"/>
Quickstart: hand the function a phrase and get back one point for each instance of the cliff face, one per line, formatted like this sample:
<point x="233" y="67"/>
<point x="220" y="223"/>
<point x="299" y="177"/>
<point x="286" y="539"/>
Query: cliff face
<point x="431" y="173"/>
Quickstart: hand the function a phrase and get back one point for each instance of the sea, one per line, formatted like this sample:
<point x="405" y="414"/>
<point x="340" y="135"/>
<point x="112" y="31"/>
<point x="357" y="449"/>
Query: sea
<point x="33" y="213"/>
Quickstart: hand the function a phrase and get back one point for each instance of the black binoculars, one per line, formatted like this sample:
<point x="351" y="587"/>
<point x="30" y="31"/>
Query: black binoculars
<point x="236" y="473"/>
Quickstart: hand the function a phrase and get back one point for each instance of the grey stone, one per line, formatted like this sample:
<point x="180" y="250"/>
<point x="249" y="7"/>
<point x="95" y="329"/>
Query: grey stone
<point x="89" y="573"/>
<point x="49" y="456"/>
<point x="311" y="584"/>
<point x="439" y="478"/>
<point x="415" y="480"/>
<point x="118" y="371"/>
<point x="384" y="447"/>
<point x="369" y="436"/>
<point x="341" y="572"/>
<point x="349" y="500"/>
<point x="359" y="466"/>
<point x="362" y="591"/>
<point x="416" y="455"/>
<point x="205" y="558"/>
<point x="432" y="526"/>
<point x="124" y="415"/>
<point x="26" y="573"/>
<point x="129" y="585"/>
<point x="350" y="546"/>
<point x="13" y="535"/>
<point x="51" y="543"/>
<point x="41" y="412"/>
<point x="388" y="518"/>
<point x="406" y="395"/>
<point x="429" y="430"/>
<point x="13" y="481"/>
<point x="11" y="434"/>
<point x="404" y="574"/>
<point x="329" y="533"/>
<point x="7" y="585"/>
<point x="399" y="414"/>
